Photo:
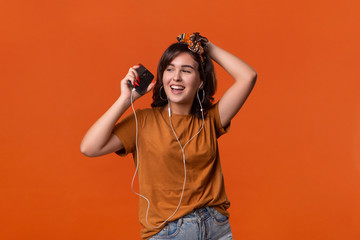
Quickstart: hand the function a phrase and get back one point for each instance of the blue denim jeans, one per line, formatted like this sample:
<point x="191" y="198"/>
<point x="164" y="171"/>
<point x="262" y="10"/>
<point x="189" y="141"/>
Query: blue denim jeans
<point x="201" y="224"/>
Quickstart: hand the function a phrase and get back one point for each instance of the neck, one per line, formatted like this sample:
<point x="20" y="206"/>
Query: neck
<point x="180" y="109"/>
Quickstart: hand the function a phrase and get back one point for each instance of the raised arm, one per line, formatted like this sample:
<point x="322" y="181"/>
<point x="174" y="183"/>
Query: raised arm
<point x="98" y="140"/>
<point x="244" y="76"/>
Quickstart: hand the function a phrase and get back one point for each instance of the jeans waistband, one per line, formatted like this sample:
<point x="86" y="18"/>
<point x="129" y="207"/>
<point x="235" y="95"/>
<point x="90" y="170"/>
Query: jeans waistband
<point x="201" y="213"/>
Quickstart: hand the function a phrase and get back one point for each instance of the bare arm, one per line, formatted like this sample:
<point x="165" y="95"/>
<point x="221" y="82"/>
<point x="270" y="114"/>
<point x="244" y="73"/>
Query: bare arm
<point x="98" y="140"/>
<point x="244" y="76"/>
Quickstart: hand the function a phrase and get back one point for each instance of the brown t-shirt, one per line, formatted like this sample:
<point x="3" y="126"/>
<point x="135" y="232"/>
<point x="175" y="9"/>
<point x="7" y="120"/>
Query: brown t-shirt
<point x="161" y="167"/>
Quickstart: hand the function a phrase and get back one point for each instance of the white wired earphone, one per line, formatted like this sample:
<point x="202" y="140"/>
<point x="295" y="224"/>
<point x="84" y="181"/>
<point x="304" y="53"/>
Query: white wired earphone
<point x="182" y="149"/>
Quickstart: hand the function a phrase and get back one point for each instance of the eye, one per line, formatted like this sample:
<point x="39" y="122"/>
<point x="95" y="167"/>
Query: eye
<point x="168" y="69"/>
<point x="186" y="71"/>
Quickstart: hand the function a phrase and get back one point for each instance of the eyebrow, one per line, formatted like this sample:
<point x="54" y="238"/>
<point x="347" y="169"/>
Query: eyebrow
<point x="189" y="66"/>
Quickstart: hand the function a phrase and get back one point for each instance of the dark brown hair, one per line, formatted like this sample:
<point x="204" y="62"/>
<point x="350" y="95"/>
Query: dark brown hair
<point x="207" y="75"/>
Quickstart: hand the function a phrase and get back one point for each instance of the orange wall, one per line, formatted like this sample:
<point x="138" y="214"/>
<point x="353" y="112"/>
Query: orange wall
<point x="291" y="160"/>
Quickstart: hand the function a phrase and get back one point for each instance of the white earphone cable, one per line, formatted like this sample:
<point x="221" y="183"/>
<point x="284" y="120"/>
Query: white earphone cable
<point x="183" y="153"/>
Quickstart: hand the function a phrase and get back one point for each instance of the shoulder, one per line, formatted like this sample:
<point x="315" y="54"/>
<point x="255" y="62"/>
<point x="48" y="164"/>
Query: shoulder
<point x="213" y="110"/>
<point x="214" y="116"/>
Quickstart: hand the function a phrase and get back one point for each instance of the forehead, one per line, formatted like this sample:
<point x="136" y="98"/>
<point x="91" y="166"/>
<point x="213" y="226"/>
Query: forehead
<point x="184" y="59"/>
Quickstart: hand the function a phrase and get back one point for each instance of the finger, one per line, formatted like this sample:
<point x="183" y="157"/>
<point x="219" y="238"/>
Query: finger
<point x="129" y="77"/>
<point x="151" y="86"/>
<point x="134" y="72"/>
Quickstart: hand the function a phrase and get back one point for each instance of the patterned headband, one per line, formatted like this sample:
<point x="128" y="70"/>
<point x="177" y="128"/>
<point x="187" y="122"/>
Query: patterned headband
<point x="196" y="43"/>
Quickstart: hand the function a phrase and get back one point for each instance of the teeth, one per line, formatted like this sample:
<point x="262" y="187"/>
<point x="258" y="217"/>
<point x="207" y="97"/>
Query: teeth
<point x="177" y="87"/>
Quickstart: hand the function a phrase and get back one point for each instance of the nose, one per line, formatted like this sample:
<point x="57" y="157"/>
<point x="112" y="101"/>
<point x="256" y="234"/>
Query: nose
<point x="177" y="75"/>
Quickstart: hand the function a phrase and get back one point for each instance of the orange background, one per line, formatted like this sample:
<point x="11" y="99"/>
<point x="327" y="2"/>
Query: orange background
<point x="290" y="161"/>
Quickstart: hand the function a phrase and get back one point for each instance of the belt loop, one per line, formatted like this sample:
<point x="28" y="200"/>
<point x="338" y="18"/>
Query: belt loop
<point x="201" y="211"/>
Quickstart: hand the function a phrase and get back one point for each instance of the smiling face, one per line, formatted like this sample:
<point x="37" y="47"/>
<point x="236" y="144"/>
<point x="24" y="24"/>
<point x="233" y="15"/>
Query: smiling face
<point x="172" y="55"/>
<point x="181" y="80"/>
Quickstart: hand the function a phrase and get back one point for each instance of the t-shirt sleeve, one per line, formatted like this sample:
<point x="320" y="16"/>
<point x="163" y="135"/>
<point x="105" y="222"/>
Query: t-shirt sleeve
<point x="125" y="130"/>
<point x="220" y="130"/>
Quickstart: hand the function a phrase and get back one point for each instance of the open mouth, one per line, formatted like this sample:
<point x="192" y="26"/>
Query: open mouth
<point x="177" y="89"/>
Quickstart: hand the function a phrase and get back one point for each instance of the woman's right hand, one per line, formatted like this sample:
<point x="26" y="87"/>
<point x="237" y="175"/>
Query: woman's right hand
<point x="126" y="91"/>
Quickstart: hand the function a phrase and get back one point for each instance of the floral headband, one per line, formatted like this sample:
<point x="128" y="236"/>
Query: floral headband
<point x="196" y="43"/>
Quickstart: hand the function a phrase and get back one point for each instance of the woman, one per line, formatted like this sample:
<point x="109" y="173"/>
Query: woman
<point x="174" y="143"/>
